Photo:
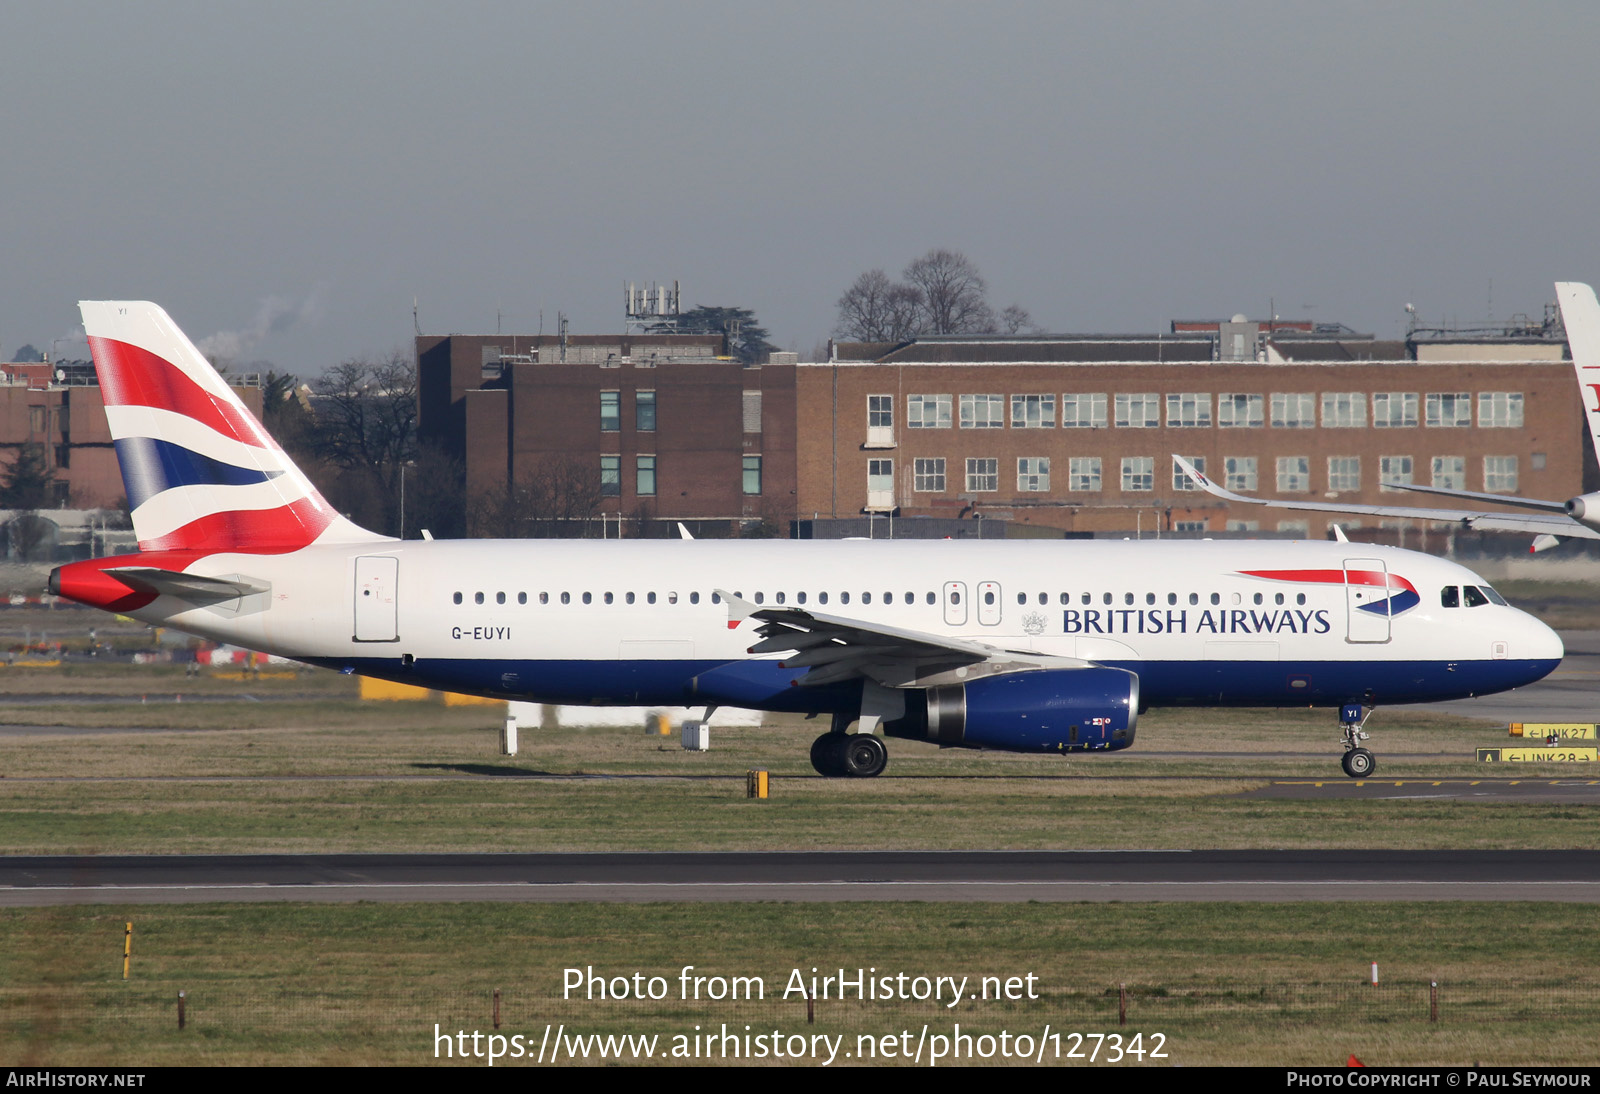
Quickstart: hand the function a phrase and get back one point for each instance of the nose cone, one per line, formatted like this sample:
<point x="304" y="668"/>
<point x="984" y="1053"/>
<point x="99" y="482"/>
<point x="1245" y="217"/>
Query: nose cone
<point x="1538" y="646"/>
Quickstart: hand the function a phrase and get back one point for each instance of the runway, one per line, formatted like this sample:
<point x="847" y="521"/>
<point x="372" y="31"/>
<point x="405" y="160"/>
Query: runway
<point x="1311" y="875"/>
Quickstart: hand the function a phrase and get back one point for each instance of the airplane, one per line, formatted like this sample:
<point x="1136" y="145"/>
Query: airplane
<point x="1575" y="518"/>
<point x="1020" y="646"/>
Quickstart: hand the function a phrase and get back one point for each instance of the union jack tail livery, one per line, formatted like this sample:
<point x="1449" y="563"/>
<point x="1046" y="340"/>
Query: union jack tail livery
<point x="200" y="472"/>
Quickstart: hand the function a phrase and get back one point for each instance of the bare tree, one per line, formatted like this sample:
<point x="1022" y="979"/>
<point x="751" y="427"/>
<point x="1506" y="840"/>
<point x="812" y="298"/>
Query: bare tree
<point x="864" y="314"/>
<point x="954" y="294"/>
<point x="1015" y="319"/>
<point x="366" y="422"/>
<point x="558" y="498"/>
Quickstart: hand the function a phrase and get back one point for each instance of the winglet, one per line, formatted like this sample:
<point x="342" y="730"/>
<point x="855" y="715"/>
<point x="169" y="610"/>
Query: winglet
<point x="739" y="609"/>
<point x="683" y="533"/>
<point x="1199" y="479"/>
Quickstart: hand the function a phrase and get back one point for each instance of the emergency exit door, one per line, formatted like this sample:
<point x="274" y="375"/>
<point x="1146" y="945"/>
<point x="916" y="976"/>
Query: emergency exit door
<point x="376" y="612"/>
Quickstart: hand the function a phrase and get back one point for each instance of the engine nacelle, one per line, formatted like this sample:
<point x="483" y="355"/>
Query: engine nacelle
<point x="1053" y="710"/>
<point x="1585" y="509"/>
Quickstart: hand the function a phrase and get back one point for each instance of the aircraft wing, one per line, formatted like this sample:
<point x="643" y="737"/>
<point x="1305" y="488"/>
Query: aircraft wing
<point x="833" y="648"/>
<point x="1548" y="524"/>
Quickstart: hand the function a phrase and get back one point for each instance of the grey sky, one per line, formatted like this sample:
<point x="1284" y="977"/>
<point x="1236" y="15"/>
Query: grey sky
<point x="293" y="173"/>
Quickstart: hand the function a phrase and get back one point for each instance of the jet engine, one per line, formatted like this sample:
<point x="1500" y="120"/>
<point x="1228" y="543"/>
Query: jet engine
<point x="1048" y="710"/>
<point x="1585" y="509"/>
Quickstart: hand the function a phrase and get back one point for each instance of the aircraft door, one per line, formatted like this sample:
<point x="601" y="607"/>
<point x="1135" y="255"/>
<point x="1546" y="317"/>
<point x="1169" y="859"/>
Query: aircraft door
<point x="376" y="617"/>
<point x="1366" y="594"/>
<point x="955" y="603"/>
<point x="989" y="603"/>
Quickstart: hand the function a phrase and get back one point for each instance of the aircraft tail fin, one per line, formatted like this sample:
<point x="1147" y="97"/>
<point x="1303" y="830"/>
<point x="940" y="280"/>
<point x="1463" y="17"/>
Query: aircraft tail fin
<point x="201" y="473"/>
<point x="1580" y="314"/>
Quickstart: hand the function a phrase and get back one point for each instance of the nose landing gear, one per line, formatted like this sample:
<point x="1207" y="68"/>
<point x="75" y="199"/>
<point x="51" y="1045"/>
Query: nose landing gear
<point x="1357" y="762"/>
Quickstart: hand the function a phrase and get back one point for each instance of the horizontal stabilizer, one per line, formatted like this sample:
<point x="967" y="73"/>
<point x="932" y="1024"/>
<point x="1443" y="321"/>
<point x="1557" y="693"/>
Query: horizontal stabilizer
<point x="191" y="587"/>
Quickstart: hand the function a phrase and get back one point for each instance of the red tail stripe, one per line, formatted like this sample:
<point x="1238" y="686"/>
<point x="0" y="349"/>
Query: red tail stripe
<point x="132" y="376"/>
<point x="263" y="531"/>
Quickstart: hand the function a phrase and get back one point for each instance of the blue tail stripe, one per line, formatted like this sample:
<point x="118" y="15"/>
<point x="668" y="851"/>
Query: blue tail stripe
<point x="150" y="466"/>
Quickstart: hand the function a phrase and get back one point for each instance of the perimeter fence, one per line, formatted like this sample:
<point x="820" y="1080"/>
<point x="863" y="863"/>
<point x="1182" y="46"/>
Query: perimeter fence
<point x="221" y="1010"/>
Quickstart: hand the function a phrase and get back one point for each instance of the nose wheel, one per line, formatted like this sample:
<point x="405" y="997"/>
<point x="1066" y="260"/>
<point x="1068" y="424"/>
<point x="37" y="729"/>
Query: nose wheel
<point x="1357" y="762"/>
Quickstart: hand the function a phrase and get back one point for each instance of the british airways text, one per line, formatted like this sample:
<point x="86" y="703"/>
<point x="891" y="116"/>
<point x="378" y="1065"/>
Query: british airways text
<point x="1177" y="621"/>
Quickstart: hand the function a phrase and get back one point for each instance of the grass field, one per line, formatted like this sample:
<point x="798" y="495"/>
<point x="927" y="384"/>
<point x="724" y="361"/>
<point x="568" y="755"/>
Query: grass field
<point x="296" y="763"/>
<point x="1224" y="984"/>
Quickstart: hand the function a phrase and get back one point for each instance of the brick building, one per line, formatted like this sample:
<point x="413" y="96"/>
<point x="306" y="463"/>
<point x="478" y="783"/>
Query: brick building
<point x="1076" y="433"/>
<point x="670" y="428"/>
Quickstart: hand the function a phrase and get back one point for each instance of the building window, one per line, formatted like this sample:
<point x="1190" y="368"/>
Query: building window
<point x="1500" y="474"/>
<point x="644" y="411"/>
<point x="880" y="411"/>
<point x="928" y="475"/>
<point x="1033" y="412"/>
<point x="983" y="475"/>
<point x="880" y="480"/>
<point x="752" y="474"/>
<point x="1189" y="525"/>
<point x="1294" y="410"/>
<point x="1083" y="473"/>
<point x="610" y="476"/>
<point x="1138" y="473"/>
<point x="1240" y="472"/>
<point x="1180" y="481"/>
<point x="1294" y="474"/>
<point x="1033" y="474"/>
<point x="1240" y="411"/>
<point x="1344" y="473"/>
<point x="38" y="421"/>
<point x="751" y="408"/>
<point x="1243" y="526"/>
<point x="1189" y="410"/>
<point x="1299" y="528"/>
<point x="1344" y="410"/>
<point x="1394" y="409"/>
<point x="1140" y="410"/>
<point x="646" y="484"/>
<point x="1083" y="411"/>
<point x="1447" y="409"/>
<point x="1500" y="409"/>
<point x="1450" y="472"/>
<point x="927" y="412"/>
<point x="983" y="411"/>
<point x="1394" y="471"/>
<point x="610" y="411"/>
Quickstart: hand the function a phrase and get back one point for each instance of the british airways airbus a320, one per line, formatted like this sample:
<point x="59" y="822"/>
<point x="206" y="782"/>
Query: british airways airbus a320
<point x="1024" y="646"/>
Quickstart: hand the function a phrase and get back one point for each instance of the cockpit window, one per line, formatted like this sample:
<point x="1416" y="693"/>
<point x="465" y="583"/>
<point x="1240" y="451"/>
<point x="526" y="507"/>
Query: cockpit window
<point x="1450" y="597"/>
<point x="1475" y="597"/>
<point x="1494" y="596"/>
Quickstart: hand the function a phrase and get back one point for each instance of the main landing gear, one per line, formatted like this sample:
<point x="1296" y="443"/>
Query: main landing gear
<point x="838" y="754"/>
<point x="1357" y="762"/>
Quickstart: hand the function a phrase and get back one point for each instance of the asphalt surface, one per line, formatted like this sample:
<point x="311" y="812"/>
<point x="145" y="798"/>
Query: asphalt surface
<point x="1325" y="875"/>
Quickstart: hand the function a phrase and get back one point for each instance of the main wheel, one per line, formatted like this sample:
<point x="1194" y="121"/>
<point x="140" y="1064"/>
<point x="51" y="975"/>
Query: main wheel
<point x="1358" y="763"/>
<point x="827" y="755"/>
<point x="865" y="756"/>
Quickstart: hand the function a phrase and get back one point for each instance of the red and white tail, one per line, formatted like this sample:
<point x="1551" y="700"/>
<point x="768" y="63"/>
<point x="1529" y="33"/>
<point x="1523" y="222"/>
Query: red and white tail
<point x="200" y="472"/>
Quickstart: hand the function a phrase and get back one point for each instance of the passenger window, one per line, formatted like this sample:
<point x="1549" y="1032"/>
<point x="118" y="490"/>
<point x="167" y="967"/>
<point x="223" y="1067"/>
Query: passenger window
<point x="1278" y="599"/>
<point x="649" y="598"/>
<point x="1022" y="598"/>
<point x="694" y="598"/>
<point x="458" y="598"/>
<point x="988" y="598"/>
<point x="822" y="598"/>
<point x="911" y="598"/>
<point x="1066" y="598"/>
<point x="761" y="598"/>
<point x="1172" y="598"/>
<point x="1087" y="599"/>
<point x="1475" y="597"/>
<point x="866" y="598"/>
<point x="522" y="598"/>
<point x="566" y="598"/>
<point x="499" y="598"/>
<point x="1236" y="598"/>
<point x="1149" y="598"/>
<point x="1127" y="598"/>
<point x="1044" y="598"/>
<point x="588" y="598"/>
<point x="1450" y="597"/>
<point x="931" y="598"/>
<point x="780" y="598"/>
<point x="672" y="598"/>
<point x="1106" y="598"/>
<point x="477" y="598"/>
<point x="1300" y="598"/>
<point x="844" y="598"/>
<point x="1194" y="598"/>
<point x="544" y="598"/>
<point x="627" y="598"/>
<point x="888" y="598"/>
<point x="1216" y="598"/>
<point x="1258" y="598"/>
